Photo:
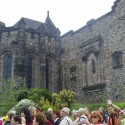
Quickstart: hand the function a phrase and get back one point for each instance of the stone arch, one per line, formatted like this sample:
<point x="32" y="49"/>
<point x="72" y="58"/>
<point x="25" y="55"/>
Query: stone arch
<point x="32" y="69"/>
<point x="4" y="55"/>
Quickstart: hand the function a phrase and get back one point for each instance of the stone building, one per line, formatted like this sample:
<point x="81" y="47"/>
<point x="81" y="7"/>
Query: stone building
<point x="30" y="53"/>
<point x="93" y="58"/>
<point x="89" y="61"/>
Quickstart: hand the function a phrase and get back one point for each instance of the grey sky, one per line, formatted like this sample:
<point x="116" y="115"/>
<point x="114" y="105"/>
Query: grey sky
<point x="65" y="14"/>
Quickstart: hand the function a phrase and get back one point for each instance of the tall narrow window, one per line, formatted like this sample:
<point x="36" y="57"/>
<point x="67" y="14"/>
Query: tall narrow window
<point x="8" y="66"/>
<point x="29" y="72"/>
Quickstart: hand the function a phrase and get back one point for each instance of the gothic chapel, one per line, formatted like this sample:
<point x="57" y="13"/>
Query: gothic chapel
<point x="90" y="61"/>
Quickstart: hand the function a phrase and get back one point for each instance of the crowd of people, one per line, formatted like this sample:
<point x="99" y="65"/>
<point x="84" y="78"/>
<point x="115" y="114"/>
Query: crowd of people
<point x="81" y="116"/>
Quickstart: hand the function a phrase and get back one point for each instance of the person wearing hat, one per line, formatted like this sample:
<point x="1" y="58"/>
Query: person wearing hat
<point x="64" y="113"/>
<point x="8" y="117"/>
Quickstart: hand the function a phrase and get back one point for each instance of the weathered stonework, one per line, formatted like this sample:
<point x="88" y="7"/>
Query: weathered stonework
<point x="91" y="49"/>
<point x="89" y="61"/>
<point x="28" y="53"/>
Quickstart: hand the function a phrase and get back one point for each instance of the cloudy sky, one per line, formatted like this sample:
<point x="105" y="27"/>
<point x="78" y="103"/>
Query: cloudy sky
<point x="66" y="14"/>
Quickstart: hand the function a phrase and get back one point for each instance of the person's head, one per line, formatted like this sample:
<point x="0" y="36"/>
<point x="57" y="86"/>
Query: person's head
<point x="87" y="110"/>
<point x="39" y="119"/>
<point x="96" y="117"/>
<point x="10" y="115"/>
<point x="64" y="112"/>
<point x="15" y="120"/>
<point x="50" y="110"/>
<point x="49" y="116"/>
<point x="81" y="111"/>
<point x="26" y="114"/>
<point x="111" y="109"/>
<point x="102" y="110"/>
<point x="32" y="110"/>
<point x="56" y="114"/>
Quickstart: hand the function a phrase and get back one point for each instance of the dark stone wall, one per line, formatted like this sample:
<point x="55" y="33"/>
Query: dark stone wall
<point x="97" y="52"/>
<point x="23" y="43"/>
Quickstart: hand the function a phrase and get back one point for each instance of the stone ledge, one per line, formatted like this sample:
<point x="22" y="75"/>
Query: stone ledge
<point x="93" y="88"/>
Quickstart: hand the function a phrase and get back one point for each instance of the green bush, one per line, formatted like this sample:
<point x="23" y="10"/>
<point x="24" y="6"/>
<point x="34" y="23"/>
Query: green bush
<point x="22" y="93"/>
<point x="64" y="98"/>
<point x="35" y="94"/>
<point x="7" y="97"/>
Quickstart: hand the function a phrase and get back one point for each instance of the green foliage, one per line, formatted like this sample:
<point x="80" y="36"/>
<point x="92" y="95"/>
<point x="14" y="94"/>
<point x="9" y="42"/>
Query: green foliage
<point x="35" y="94"/>
<point x="92" y="107"/>
<point x="7" y="97"/>
<point x="76" y="106"/>
<point x="121" y="105"/>
<point x="45" y="104"/>
<point x="64" y="98"/>
<point x="95" y="106"/>
<point x="22" y="93"/>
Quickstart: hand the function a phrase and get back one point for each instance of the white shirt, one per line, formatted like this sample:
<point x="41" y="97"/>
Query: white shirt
<point x="66" y="121"/>
<point x="82" y="117"/>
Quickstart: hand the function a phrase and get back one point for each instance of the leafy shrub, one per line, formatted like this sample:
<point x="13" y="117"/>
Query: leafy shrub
<point x="45" y="104"/>
<point x="35" y="94"/>
<point x="7" y="97"/>
<point x="64" y="98"/>
<point x="22" y="93"/>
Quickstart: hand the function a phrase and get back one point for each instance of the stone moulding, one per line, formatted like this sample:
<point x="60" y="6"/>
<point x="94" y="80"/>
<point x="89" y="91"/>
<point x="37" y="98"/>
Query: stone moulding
<point x="93" y="88"/>
<point x="91" y="40"/>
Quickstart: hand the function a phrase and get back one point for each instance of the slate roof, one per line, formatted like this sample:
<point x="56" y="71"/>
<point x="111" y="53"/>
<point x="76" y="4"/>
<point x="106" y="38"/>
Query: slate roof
<point x="29" y="23"/>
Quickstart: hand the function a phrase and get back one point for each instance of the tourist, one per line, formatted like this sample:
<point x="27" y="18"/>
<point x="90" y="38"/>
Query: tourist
<point x="64" y="113"/>
<point x="104" y="114"/>
<point x="39" y="119"/>
<point x="121" y="115"/>
<point x="16" y="120"/>
<point x="26" y="114"/>
<point x="113" y="113"/>
<point x="82" y="116"/>
<point x="50" y="110"/>
<point x="75" y="117"/>
<point x="56" y="117"/>
<point x="96" y="119"/>
<point x="49" y="118"/>
<point x="33" y="111"/>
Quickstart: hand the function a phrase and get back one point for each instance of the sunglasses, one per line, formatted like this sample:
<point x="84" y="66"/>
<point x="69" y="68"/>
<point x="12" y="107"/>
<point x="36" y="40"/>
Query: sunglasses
<point x="94" y="116"/>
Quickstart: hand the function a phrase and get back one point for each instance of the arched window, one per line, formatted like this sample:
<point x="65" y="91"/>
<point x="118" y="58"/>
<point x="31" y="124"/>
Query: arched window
<point x="29" y="72"/>
<point x="8" y="66"/>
